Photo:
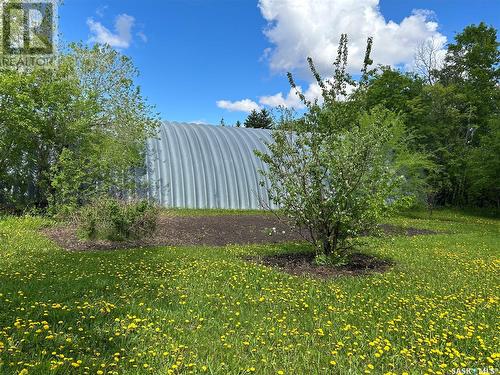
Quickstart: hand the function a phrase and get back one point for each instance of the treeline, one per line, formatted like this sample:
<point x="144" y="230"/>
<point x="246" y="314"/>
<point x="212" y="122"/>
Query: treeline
<point x="453" y="112"/>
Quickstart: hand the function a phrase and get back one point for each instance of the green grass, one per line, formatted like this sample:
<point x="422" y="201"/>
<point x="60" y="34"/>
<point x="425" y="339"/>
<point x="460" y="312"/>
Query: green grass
<point x="205" y="310"/>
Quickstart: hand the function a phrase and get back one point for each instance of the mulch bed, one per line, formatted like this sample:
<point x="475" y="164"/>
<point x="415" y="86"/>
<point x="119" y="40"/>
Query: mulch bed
<point x="303" y="264"/>
<point x="189" y="230"/>
<point x="202" y="230"/>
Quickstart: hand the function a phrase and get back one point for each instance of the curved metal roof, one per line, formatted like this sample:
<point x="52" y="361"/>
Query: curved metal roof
<point x="204" y="166"/>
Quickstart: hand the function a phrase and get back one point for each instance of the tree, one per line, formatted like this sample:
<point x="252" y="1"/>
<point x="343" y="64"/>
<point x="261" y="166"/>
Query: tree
<point x="73" y="132"/>
<point x="451" y="110"/>
<point x="252" y="119"/>
<point x="455" y="116"/>
<point x="427" y="60"/>
<point x="238" y="124"/>
<point x="393" y="89"/>
<point x="259" y="120"/>
<point x="472" y="63"/>
<point x="484" y="166"/>
<point x="340" y="168"/>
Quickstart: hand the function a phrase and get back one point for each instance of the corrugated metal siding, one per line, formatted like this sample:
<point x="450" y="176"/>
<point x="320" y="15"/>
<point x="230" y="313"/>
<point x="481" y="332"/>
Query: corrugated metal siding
<point x="204" y="166"/>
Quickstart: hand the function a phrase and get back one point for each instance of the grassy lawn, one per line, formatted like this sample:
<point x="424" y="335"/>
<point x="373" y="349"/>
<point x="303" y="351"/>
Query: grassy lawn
<point x="205" y="310"/>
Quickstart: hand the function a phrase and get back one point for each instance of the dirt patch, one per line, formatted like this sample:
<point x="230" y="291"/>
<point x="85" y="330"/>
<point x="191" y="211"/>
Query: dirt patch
<point x="202" y="230"/>
<point x="190" y="230"/>
<point x="303" y="264"/>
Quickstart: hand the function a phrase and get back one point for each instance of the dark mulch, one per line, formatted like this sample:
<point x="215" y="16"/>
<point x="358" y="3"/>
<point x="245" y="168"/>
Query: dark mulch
<point x="202" y="230"/>
<point x="189" y="230"/>
<point x="303" y="264"/>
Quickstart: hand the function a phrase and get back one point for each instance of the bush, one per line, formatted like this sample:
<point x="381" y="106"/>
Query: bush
<point x="117" y="220"/>
<point x="339" y="170"/>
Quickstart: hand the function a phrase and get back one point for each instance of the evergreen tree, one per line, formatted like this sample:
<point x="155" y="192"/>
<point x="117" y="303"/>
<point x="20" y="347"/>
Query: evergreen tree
<point x="259" y="120"/>
<point x="266" y="121"/>
<point x="238" y="124"/>
<point x="252" y="120"/>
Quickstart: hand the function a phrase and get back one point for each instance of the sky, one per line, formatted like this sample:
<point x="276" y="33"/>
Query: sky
<point x="203" y="60"/>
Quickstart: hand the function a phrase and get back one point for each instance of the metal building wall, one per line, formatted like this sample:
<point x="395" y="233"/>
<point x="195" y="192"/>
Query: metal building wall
<point x="203" y="166"/>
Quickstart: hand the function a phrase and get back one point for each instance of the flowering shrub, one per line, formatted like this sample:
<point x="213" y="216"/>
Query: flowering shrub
<point x="340" y="169"/>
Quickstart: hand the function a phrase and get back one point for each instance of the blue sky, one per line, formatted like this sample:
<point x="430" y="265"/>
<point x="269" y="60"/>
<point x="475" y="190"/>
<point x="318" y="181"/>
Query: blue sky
<point x="201" y="60"/>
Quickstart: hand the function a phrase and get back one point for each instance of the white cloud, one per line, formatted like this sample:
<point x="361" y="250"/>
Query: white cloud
<point x="142" y="36"/>
<point x="120" y="38"/>
<point x="100" y="10"/>
<point x="292" y="100"/>
<point x="244" y="105"/>
<point x="301" y="28"/>
<point x="199" y="122"/>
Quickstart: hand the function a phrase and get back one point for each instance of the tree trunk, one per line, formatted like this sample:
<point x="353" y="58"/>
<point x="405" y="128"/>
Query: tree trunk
<point x="327" y="246"/>
<point x="330" y="242"/>
<point x="336" y="236"/>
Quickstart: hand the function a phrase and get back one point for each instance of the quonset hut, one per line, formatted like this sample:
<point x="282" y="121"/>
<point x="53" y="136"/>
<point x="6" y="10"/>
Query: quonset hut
<point x="203" y="166"/>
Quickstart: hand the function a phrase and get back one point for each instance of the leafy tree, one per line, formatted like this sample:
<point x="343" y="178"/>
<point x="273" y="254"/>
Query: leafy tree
<point x="73" y="132"/>
<point x="484" y="166"/>
<point x="259" y="120"/>
<point x="393" y="89"/>
<point x="40" y="112"/>
<point x="340" y="168"/>
<point x="455" y="116"/>
<point x="472" y="63"/>
<point x="451" y="112"/>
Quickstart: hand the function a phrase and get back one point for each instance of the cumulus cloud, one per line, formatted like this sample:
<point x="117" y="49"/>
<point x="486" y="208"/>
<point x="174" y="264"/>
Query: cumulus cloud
<point x="301" y="28"/>
<point x="120" y="38"/>
<point x="289" y="100"/>
<point x="292" y="100"/>
<point x="244" y="105"/>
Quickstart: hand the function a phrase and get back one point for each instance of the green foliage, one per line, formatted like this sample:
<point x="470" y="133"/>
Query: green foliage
<point x="259" y="120"/>
<point x="472" y="63"/>
<point x="340" y="169"/>
<point x="116" y="220"/>
<point x="71" y="133"/>
<point x="335" y="259"/>
<point x="484" y="166"/>
<point x="393" y="90"/>
<point x="455" y="118"/>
